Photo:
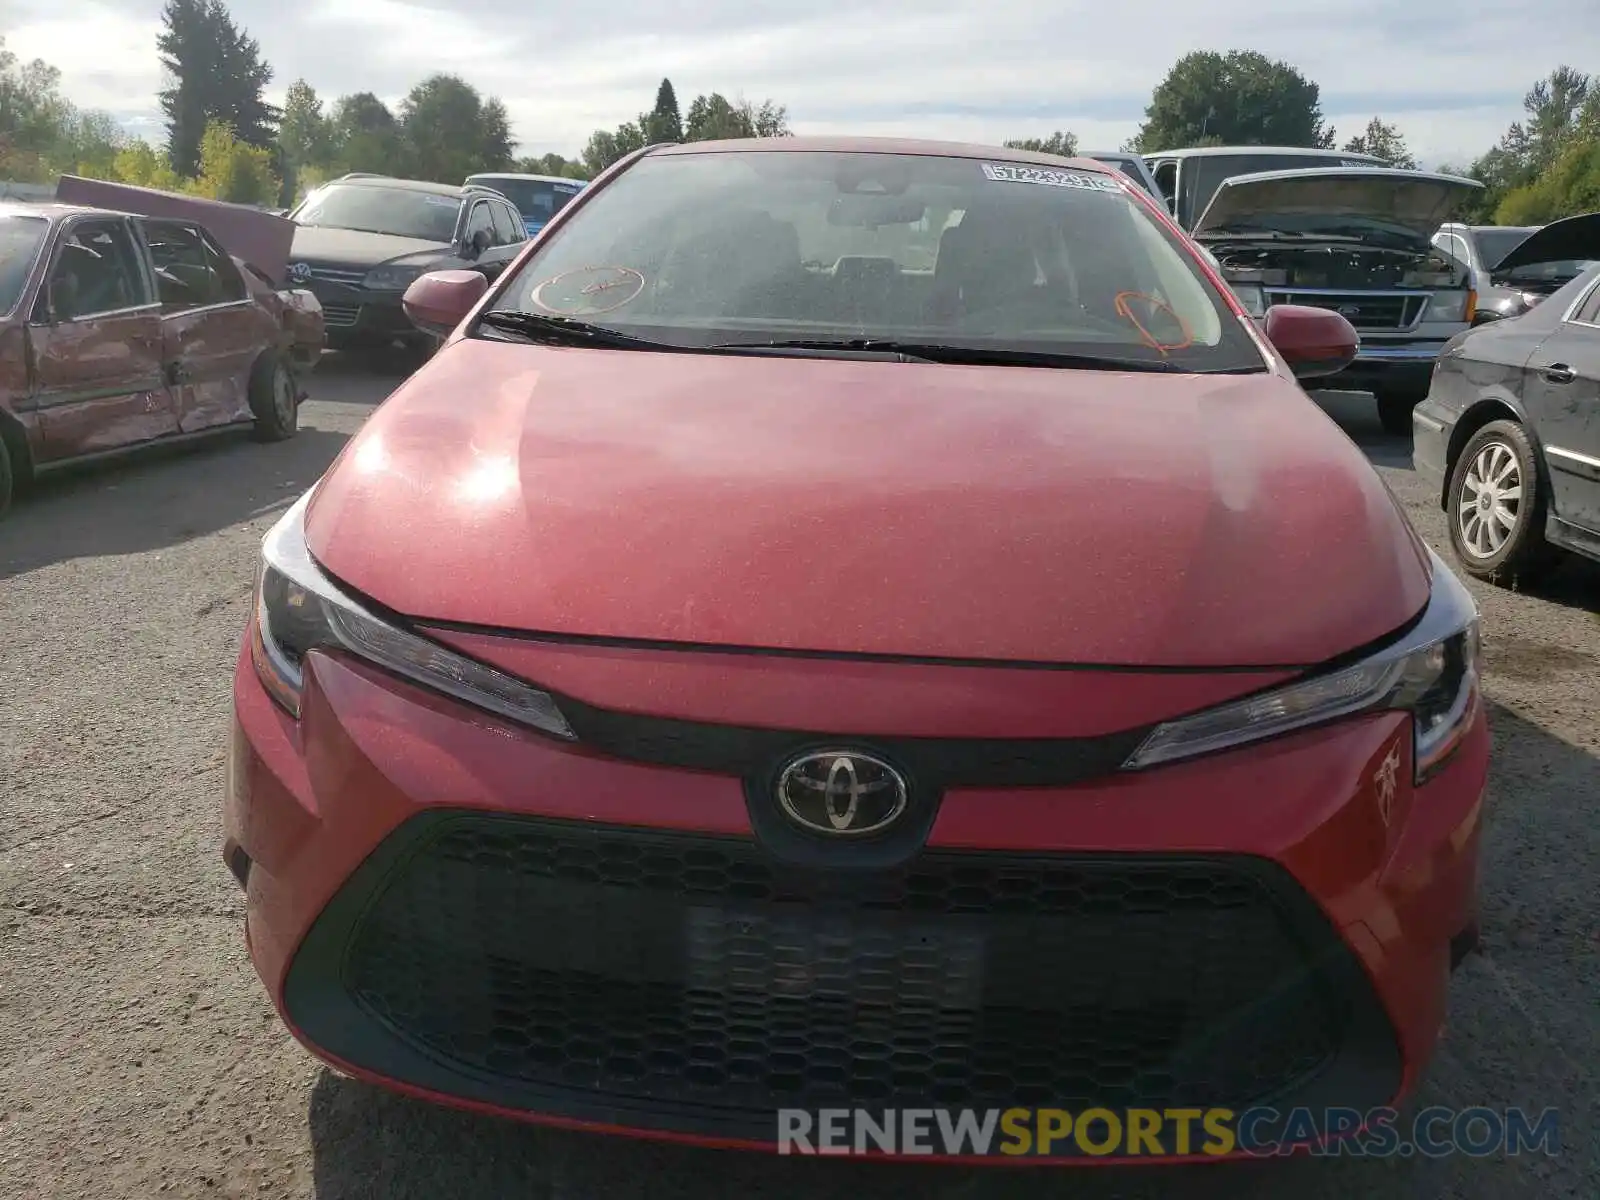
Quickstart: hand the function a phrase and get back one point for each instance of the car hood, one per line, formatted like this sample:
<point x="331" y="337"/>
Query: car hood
<point x="1570" y="238"/>
<point x="1324" y="198"/>
<point x="356" y="248"/>
<point x="824" y="505"/>
<point x="251" y="235"/>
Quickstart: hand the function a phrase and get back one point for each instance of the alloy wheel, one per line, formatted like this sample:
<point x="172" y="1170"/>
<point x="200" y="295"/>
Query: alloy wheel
<point x="1489" y="504"/>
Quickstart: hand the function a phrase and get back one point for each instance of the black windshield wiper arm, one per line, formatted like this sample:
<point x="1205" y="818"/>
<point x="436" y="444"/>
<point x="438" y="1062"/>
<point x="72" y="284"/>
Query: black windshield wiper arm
<point x="567" y="331"/>
<point x="938" y="352"/>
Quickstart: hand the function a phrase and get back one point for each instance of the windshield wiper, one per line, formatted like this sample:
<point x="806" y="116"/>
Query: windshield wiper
<point x="938" y="352"/>
<point x="569" y="331"/>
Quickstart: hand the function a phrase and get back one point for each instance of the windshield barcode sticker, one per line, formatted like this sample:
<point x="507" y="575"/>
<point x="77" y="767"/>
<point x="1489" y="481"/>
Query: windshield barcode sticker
<point x="1005" y="173"/>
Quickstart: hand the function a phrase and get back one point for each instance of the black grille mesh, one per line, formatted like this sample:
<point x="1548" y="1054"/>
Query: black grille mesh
<point x="675" y="970"/>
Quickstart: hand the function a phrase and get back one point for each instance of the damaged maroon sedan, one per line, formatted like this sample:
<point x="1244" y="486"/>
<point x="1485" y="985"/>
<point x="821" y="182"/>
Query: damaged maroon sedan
<point x="130" y="316"/>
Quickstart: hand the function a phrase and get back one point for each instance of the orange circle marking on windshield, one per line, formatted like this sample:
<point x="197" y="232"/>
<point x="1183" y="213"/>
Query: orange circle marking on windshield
<point x="1125" y="310"/>
<point x="591" y="297"/>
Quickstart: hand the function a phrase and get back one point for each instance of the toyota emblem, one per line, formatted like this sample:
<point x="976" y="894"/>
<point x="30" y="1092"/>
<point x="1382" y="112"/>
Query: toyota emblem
<point x="841" y="793"/>
<point x="300" y="273"/>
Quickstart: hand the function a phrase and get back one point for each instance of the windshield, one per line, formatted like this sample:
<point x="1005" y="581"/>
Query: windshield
<point x="1203" y="173"/>
<point x="19" y="246"/>
<point x="1127" y="164"/>
<point x="1494" y="244"/>
<point x="536" y="199"/>
<point x="1558" y="272"/>
<point x="402" y="212"/>
<point x="704" y="249"/>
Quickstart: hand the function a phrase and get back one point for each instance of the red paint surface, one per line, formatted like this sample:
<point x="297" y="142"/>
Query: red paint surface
<point x="889" y="508"/>
<point x="310" y="801"/>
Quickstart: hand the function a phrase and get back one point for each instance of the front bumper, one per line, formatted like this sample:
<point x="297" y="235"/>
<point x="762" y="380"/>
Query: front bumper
<point x="528" y="928"/>
<point x="1432" y="427"/>
<point x="351" y="314"/>
<point x="1400" y="367"/>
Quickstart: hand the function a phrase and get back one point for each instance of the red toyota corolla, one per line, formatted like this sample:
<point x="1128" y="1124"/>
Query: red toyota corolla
<point x="858" y="625"/>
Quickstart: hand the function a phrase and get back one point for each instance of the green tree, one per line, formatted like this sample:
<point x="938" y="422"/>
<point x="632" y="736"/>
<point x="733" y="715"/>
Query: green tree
<point x="216" y="74"/>
<point x="1241" y="98"/>
<point x="1384" y="141"/>
<point x="664" y="122"/>
<point x="715" y="117"/>
<point x="233" y="170"/>
<point x="553" y="164"/>
<point x="1562" y="109"/>
<point x="608" y="146"/>
<point x="1571" y="185"/>
<point x="42" y="134"/>
<point x="142" y="165"/>
<point x="451" y="131"/>
<point x="303" y="133"/>
<point x="765" y="120"/>
<point x="304" y="140"/>
<point x="363" y="135"/>
<point x="1060" y="142"/>
<point x="709" y="117"/>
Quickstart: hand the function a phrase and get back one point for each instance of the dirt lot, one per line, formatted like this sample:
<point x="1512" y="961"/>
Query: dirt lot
<point x="139" y="1056"/>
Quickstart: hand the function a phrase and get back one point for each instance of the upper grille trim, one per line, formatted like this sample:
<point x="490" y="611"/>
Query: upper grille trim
<point x="934" y="764"/>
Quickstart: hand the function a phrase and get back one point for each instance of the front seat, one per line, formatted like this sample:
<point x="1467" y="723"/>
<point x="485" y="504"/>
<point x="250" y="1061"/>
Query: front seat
<point x="983" y="262"/>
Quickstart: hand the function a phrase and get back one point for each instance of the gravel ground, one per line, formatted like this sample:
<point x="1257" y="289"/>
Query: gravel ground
<point x="141" y="1058"/>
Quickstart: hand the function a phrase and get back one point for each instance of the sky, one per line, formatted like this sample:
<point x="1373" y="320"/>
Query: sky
<point x="1450" y="73"/>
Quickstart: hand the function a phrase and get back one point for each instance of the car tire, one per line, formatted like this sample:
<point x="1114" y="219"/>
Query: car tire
<point x="1394" y="411"/>
<point x="274" y="398"/>
<point x="1499" y="458"/>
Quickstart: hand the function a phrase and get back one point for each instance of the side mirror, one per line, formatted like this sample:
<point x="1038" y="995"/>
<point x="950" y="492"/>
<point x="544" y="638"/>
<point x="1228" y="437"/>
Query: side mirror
<point x="1313" y="341"/>
<point x="440" y="300"/>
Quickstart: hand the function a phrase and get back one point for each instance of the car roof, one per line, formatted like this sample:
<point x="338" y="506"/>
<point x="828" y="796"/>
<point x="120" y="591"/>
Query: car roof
<point x="52" y="210"/>
<point x="1298" y="151"/>
<point x="878" y="145"/>
<point x="409" y="185"/>
<point x="519" y="175"/>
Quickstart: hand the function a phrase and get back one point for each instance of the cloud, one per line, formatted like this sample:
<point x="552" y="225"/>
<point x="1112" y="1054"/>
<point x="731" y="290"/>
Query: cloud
<point x="980" y="70"/>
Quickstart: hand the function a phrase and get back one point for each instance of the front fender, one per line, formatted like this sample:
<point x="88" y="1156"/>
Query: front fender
<point x="304" y="333"/>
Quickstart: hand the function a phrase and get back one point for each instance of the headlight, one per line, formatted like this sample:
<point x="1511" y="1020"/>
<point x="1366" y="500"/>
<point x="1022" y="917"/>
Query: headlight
<point x="1431" y="672"/>
<point x="391" y="279"/>
<point x="1252" y="296"/>
<point x="299" y="609"/>
<point x="1451" y="306"/>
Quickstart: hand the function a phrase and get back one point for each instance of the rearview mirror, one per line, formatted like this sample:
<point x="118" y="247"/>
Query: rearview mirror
<point x="1313" y="341"/>
<point x="440" y="300"/>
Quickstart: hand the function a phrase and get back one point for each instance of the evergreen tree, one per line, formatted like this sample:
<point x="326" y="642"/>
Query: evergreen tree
<point x="216" y="75"/>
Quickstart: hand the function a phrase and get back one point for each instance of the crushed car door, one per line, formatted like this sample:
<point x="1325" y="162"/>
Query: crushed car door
<point x="1563" y="398"/>
<point x="94" y="342"/>
<point x="212" y="330"/>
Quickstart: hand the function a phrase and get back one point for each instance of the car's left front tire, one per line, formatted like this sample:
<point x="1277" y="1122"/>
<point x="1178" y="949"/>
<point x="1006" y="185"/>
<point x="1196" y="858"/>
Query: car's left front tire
<point x="1496" y="507"/>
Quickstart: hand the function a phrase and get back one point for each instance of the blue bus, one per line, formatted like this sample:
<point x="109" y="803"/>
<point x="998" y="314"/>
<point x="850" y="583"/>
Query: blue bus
<point x="537" y="197"/>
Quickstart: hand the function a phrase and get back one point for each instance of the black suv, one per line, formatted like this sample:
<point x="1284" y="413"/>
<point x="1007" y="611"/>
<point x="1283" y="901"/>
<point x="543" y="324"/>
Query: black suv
<point x="362" y="239"/>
